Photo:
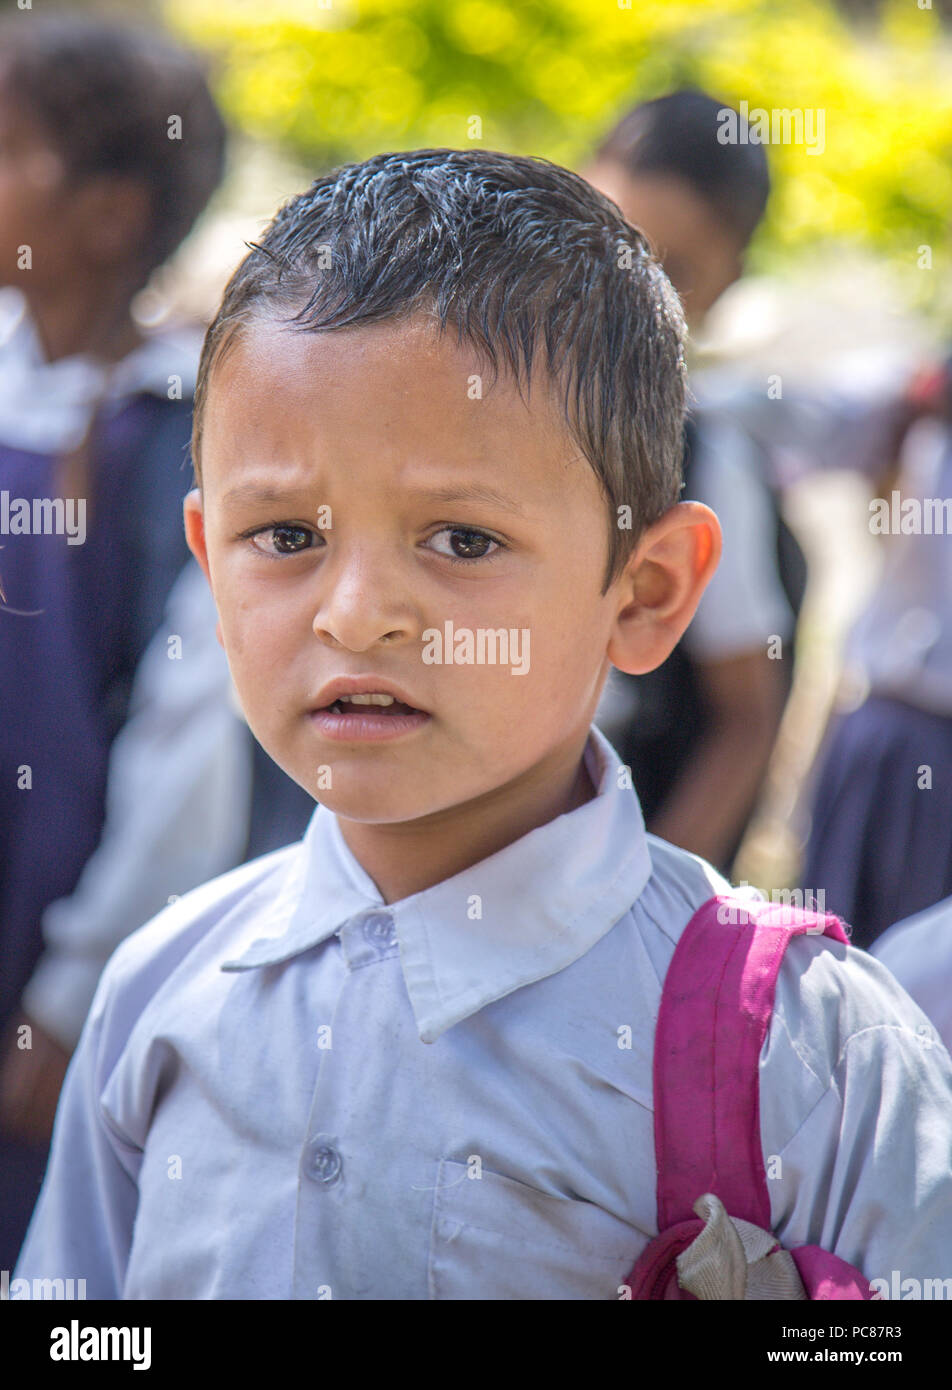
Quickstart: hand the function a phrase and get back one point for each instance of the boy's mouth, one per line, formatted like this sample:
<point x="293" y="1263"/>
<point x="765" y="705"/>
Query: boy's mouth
<point x="365" y="716"/>
<point x="378" y="703"/>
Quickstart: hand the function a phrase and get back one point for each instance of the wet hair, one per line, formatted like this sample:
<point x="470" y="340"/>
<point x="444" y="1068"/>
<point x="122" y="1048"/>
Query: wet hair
<point x="102" y="92"/>
<point x="526" y="261"/>
<point x="677" y="135"/>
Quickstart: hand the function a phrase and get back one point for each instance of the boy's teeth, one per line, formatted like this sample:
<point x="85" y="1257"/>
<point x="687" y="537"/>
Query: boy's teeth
<point x="369" y="699"/>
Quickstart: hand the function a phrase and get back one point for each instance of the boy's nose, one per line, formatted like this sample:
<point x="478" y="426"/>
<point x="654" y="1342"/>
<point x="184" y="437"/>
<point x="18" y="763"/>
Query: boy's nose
<point x="362" y="607"/>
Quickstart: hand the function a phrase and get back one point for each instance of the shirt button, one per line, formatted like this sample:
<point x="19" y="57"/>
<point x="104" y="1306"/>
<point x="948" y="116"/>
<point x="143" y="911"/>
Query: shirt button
<point x="322" y="1162"/>
<point x="380" y="931"/>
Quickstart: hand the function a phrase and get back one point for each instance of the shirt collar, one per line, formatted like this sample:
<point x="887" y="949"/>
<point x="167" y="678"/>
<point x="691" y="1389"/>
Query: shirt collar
<point x="524" y="913"/>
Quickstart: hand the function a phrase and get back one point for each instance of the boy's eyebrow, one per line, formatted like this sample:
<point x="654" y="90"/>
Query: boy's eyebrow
<point x="256" y="492"/>
<point x="472" y="492"/>
<point x="467" y="492"/>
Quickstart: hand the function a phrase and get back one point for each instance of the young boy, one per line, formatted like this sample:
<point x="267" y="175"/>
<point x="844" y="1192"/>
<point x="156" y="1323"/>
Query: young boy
<point x="410" y="1056"/>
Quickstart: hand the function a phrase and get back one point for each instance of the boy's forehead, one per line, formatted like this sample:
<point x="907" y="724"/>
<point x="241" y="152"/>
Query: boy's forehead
<point x="396" y="384"/>
<point x="391" y="349"/>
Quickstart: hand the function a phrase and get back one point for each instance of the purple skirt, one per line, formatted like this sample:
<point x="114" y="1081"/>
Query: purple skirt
<point x="880" y="845"/>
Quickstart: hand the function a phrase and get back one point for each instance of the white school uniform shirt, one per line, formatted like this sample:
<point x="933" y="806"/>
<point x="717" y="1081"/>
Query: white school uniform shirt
<point x="287" y="1089"/>
<point x="918" y="951"/>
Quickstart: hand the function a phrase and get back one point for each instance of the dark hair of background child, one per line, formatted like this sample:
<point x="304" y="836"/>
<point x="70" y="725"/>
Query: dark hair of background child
<point x="677" y="136"/>
<point x="103" y="91"/>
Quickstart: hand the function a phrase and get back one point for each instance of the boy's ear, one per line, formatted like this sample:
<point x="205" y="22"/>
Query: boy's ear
<point x="662" y="585"/>
<point x="195" y="536"/>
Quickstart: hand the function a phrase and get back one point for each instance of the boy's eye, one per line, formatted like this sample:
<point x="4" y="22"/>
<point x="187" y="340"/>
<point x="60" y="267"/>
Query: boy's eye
<point x="466" y="544"/>
<point x="285" y="537"/>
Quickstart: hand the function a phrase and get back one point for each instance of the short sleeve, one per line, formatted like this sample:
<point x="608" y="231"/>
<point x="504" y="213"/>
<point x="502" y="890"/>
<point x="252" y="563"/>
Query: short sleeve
<point x="82" y="1225"/>
<point x="856" y="1117"/>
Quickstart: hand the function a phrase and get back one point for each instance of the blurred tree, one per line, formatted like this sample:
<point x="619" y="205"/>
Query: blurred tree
<point x="332" y="80"/>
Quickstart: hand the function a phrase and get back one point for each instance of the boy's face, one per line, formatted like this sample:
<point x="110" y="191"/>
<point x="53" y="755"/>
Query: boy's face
<point x="385" y="428"/>
<point x="701" y="257"/>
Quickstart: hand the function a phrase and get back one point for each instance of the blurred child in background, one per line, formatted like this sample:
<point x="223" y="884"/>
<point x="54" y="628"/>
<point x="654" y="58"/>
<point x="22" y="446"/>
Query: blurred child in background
<point x="110" y="147"/>
<point x="880" y="840"/>
<point x="698" y="732"/>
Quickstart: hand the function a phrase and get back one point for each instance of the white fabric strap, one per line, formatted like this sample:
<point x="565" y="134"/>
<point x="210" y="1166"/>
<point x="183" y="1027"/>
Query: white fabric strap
<point x="733" y="1259"/>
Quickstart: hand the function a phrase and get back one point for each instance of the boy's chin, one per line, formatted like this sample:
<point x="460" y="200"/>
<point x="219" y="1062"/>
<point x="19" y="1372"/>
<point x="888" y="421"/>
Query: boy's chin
<point x="381" y="802"/>
<point x="371" y="808"/>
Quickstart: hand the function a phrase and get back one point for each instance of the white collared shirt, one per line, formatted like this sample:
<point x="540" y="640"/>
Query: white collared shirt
<point x="286" y="1089"/>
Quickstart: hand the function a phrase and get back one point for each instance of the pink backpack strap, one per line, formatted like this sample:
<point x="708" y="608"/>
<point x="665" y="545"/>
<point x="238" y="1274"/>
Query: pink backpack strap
<point x="716" y="1006"/>
<point x="715" y="1011"/>
<point x="826" y="1276"/>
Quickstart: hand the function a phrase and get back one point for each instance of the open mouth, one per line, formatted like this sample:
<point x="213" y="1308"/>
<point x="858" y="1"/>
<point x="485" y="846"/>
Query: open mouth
<point x="369" y="704"/>
<point x="368" y="716"/>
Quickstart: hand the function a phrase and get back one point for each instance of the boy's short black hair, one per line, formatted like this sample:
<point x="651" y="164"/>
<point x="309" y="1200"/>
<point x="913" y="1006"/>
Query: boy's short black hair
<point x="103" y="92"/>
<point x="677" y="135"/>
<point x="523" y="258"/>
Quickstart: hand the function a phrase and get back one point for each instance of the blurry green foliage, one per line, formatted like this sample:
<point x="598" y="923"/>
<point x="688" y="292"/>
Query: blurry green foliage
<point x="342" y="80"/>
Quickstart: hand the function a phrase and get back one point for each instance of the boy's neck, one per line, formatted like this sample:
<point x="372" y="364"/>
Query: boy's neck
<point x="410" y="856"/>
<point x="84" y="322"/>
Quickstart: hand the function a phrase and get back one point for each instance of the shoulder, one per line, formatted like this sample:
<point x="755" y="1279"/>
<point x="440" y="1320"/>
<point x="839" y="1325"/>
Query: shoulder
<point x="221" y="905"/>
<point x="845" y="1037"/>
<point x="680" y="883"/>
<point x="829" y="994"/>
<point x="835" y="1006"/>
<point x="221" y="917"/>
<point x="855" y="1092"/>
